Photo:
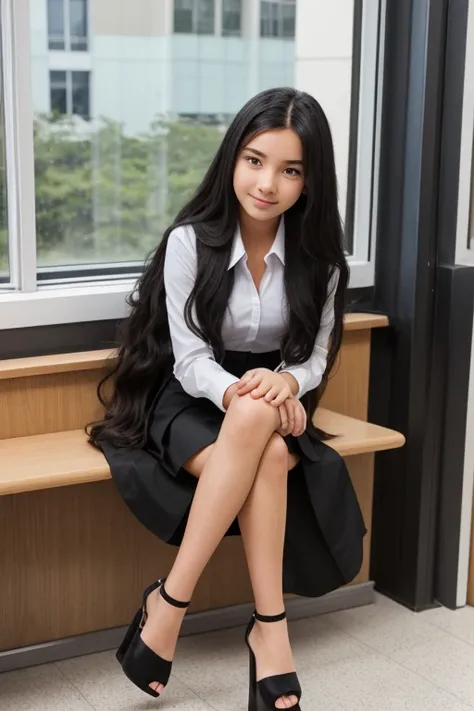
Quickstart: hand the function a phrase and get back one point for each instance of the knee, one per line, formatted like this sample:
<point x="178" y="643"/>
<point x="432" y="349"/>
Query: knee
<point x="249" y="415"/>
<point x="274" y="462"/>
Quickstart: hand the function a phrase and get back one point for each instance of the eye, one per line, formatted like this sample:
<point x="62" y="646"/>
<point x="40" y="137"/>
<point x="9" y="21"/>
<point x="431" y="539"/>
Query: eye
<point x="293" y="172"/>
<point x="252" y="160"/>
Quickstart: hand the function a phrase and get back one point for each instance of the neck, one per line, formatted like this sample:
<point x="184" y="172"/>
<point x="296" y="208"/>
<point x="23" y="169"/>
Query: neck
<point x="257" y="231"/>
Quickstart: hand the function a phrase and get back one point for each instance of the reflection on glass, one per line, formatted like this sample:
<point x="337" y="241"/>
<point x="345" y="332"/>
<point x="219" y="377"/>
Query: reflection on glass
<point x="4" y="265"/>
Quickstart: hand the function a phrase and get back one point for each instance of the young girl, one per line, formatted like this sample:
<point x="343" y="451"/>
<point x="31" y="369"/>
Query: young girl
<point x="235" y="323"/>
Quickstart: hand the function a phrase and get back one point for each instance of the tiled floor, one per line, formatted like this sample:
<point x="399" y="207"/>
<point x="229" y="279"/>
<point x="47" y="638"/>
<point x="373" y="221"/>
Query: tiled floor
<point x="377" y="658"/>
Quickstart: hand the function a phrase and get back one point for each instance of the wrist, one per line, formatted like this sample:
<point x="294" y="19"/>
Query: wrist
<point x="229" y="394"/>
<point x="292" y="382"/>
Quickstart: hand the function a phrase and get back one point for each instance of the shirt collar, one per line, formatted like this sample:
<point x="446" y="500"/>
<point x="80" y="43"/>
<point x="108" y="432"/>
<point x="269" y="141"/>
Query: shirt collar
<point x="277" y="248"/>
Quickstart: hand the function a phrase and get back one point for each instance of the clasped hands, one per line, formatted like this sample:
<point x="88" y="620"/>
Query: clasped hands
<point x="275" y="389"/>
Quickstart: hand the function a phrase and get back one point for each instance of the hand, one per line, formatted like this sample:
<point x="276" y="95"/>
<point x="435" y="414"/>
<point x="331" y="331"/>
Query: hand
<point x="264" y="383"/>
<point x="293" y="418"/>
<point x="229" y="394"/>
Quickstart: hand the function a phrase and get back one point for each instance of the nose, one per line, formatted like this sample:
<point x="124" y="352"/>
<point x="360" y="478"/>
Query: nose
<point x="267" y="183"/>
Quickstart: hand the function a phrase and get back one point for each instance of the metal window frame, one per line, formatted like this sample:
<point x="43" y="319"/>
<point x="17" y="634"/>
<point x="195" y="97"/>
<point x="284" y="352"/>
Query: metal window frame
<point x="465" y="226"/>
<point x="31" y="299"/>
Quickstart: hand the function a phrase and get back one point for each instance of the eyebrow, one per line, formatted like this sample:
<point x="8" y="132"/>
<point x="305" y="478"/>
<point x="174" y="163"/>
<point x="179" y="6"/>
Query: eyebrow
<point x="262" y="155"/>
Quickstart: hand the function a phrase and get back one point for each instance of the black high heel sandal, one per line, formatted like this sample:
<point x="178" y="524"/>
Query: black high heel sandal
<point x="264" y="694"/>
<point x="138" y="661"/>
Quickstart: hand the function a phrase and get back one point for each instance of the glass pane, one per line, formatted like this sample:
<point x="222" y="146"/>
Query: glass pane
<point x="58" y="92"/>
<point x="205" y="17"/>
<point x="4" y="257"/>
<point x="231" y="18"/>
<point x="80" y="94"/>
<point x="288" y="20"/>
<point x="107" y="188"/>
<point x="270" y="19"/>
<point x="78" y="24"/>
<point x="183" y="16"/>
<point x="56" y="24"/>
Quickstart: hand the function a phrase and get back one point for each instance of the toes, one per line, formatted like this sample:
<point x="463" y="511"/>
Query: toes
<point x="286" y="702"/>
<point x="156" y="686"/>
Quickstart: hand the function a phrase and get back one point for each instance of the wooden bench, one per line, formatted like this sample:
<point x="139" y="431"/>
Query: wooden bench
<point x="75" y="558"/>
<point x="66" y="458"/>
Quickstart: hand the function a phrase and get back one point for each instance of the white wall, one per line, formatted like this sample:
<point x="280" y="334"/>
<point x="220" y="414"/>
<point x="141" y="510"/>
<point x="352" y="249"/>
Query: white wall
<point x="324" y="68"/>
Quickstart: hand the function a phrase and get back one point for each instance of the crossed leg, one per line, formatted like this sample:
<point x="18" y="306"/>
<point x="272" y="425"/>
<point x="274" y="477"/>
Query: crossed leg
<point x="248" y="481"/>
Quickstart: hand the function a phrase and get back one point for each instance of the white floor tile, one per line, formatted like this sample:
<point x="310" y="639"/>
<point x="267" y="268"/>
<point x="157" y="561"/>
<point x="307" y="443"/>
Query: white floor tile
<point x="386" y="626"/>
<point x="373" y="683"/>
<point x="41" y="688"/>
<point x="101" y="681"/>
<point x="449" y="663"/>
<point x="459" y="623"/>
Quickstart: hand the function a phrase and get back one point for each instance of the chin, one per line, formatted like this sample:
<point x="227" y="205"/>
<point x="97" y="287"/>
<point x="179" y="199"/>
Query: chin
<point x="261" y="215"/>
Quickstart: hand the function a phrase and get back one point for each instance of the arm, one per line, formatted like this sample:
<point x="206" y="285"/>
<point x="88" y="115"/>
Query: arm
<point x="195" y="366"/>
<point x="307" y="376"/>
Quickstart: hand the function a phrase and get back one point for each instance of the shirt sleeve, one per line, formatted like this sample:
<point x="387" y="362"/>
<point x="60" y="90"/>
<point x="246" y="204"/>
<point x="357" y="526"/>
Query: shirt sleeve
<point x="195" y="366"/>
<point x="309" y="374"/>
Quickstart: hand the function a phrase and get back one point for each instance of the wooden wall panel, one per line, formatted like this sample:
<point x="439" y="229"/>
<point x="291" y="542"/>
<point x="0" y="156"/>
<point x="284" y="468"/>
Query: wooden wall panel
<point x="56" y="402"/>
<point x="77" y="561"/>
<point x="347" y="391"/>
<point x="48" y="403"/>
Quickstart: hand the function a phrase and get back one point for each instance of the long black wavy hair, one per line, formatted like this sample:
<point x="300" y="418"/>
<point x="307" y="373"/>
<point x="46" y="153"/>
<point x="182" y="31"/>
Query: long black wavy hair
<point x="314" y="250"/>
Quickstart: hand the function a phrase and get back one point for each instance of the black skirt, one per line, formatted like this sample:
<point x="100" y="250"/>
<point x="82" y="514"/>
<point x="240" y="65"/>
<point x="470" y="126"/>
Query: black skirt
<point x="324" y="525"/>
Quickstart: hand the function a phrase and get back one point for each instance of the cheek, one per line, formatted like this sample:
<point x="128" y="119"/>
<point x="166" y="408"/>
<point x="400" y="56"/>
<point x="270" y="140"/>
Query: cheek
<point x="292" y="192"/>
<point x="240" y="178"/>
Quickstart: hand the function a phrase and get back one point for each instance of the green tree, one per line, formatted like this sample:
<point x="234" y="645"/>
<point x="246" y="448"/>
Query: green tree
<point x="105" y="196"/>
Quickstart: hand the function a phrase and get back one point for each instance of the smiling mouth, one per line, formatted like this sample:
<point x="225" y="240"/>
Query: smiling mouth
<point x="264" y="202"/>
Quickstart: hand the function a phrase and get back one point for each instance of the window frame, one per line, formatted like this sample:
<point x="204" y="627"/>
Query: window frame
<point x="69" y="89"/>
<point x="29" y="300"/>
<point x="465" y="217"/>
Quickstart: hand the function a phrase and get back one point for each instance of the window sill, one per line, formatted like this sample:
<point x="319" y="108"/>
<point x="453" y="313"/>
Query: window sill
<point x="54" y="305"/>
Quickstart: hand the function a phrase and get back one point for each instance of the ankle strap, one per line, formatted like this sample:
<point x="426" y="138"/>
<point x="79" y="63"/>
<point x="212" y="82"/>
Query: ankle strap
<point x="170" y="600"/>
<point x="269" y="618"/>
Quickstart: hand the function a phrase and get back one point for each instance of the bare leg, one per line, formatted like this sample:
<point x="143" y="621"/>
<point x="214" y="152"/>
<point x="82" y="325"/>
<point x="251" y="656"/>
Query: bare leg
<point x="262" y="523"/>
<point x="223" y="487"/>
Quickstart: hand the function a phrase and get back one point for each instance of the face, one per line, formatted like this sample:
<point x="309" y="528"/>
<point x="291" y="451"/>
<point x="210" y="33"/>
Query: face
<point x="268" y="175"/>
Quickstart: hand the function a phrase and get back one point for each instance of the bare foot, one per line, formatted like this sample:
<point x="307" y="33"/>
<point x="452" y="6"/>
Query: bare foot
<point x="161" y="629"/>
<point x="271" y="645"/>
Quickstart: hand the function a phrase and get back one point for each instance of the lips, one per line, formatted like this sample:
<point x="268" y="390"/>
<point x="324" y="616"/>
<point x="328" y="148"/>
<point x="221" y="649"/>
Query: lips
<point x="262" y="202"/>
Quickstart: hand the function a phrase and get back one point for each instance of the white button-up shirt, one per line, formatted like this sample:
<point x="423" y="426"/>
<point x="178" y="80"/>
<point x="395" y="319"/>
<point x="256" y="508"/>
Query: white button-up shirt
<point x="255" y="320"/>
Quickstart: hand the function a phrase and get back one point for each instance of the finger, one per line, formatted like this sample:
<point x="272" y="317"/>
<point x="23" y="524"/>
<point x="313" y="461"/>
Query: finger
<point x="290" y="408"/>
<point x="298" y="428"/>
<point x="303" y="420"/>
<point x="272" y="393"/>
<point x="251" y="383"/>
<point x="261" y="390"/>
<point x="281" y="397"/>
<point x="283" y="418"/>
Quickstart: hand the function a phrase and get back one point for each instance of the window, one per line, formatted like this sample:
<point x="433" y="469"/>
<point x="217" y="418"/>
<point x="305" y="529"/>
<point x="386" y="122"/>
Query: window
<point x="194" y="17"/>
<point x="70" y="93"/>
<point x="277" y="18"/>
<point x="88" y="200"/>
<point x="231" y="18"/>
<point x="67" y="25"/>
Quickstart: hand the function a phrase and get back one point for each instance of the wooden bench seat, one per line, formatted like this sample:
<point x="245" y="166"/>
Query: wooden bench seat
<point x="66" y="458"/>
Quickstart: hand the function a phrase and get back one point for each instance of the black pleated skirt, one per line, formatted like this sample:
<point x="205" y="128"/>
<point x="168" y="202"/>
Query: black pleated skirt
<point x="324" y="526"/>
